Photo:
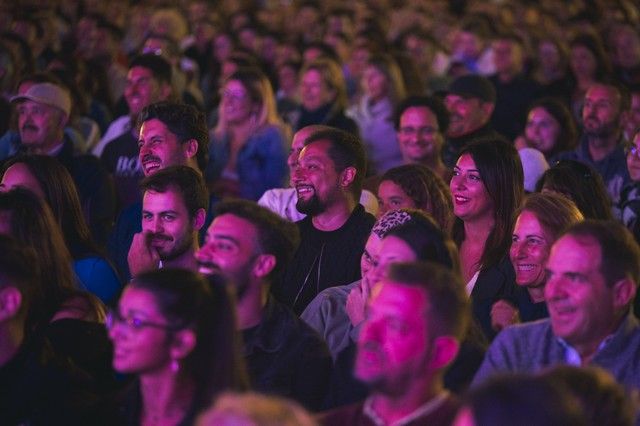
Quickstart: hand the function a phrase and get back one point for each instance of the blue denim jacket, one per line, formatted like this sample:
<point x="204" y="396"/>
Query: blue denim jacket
<point x="261" y="163"/>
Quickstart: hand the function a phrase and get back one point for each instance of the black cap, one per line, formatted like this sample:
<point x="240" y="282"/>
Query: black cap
<point x="473" y="86"/>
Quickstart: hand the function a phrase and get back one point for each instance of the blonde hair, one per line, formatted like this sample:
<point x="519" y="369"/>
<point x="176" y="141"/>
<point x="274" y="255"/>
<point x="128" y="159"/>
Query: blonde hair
<point x="332" y="76"/>
<point x="254" y="409"/>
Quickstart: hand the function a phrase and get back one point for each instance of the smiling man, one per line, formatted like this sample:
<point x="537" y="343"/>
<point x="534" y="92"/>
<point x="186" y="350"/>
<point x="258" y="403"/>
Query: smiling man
<point x="421" y="123"/>
<point x="174" y="208"/>
<point x="593" y="272"/>
<point x="328" y="181"/>
<point x="170" y="134"/>
<point x="148" y="81"/>
<point x="250" y="246"/>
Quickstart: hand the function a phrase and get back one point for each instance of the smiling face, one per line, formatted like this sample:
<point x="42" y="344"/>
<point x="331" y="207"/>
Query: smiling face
<point x="419" y="136"/>
<point x="166" y="219"/>
<point x="467" y="114"/>
<point x="391" y="196"/>
<point x="230" y="249"/>
<point x="529" y="250"/>
<point x="394" y="343"/>
<point x="314" y="91"/>
<point x="41" y="126"/>
<point x="542" y="130"/>
<point x="236" y="104"/>
<point x="391" y="250"/>
<point x="316" y="179"/>
<point x="470" y="197"/>
<point x="143" y="89"/>
<point x="144" y="349"/>
<point x="19" y="176"/>
<point x="581" y="305"/>
<point x="159" y="148"/>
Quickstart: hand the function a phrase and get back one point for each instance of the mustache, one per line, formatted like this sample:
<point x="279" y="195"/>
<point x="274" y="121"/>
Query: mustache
<point x="208" y="264"/>
<point x="150" y="157"/>
<point x="164" y="237"/>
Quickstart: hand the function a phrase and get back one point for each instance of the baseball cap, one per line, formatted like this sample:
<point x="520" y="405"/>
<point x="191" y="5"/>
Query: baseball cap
<point x="473" y="86"/>
<point x="48" y="94"/>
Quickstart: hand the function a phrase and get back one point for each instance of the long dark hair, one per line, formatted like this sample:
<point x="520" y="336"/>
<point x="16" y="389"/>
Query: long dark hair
<point x="31" y="222"/>
<point x="62" y="197"/>
<point x="501" y="172"/>
<point x="188" y="301"/>
<point x="582" y="184"/>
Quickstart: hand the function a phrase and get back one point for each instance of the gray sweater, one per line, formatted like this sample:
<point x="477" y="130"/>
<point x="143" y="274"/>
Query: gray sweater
<point x="530" y="347"/>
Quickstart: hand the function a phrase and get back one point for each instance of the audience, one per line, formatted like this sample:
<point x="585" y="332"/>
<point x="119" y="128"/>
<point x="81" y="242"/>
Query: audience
<point x="421" y="85"/>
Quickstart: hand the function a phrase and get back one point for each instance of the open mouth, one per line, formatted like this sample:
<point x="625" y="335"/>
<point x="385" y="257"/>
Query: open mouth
<point x="304" y="190"/>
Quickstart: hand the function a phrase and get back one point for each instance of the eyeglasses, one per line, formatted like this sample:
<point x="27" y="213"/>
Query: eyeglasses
<point x="136" y="324"/>
<point x="633" y="150"/>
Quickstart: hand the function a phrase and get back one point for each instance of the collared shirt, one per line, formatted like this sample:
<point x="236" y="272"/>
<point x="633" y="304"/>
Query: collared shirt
<point x="572" y="356"/>
<point x="422" y="411"/>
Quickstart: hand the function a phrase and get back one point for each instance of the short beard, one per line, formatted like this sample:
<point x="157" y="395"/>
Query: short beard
<point x="181" y="248"/>
<point x="311" y="207"/>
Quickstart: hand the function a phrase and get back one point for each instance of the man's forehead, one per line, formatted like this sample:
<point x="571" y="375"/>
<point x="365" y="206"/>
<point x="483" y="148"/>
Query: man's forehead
<point x="170" y="197"/>
<point x="232" y="224"/>
<point x="582" y="248"/>
<point x="394" y="293"/>
<point x="319" y="148"/>
<point x="139" y="71"/>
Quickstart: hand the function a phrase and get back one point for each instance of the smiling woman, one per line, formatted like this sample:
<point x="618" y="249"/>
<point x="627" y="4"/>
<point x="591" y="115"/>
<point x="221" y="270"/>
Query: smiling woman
<point x="248" y="151"/>
<point x="540" y="221"/>
<point x="175" y="332"/>
<point x="487" y="187"/>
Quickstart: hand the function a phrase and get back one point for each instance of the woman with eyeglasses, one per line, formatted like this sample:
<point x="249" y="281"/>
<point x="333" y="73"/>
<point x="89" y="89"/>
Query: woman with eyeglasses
<point x="248" y="148"/>
<point x="175" y="332"/>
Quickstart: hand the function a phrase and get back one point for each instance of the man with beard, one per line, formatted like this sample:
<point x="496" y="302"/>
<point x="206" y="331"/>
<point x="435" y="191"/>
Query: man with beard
<point x="250" y="246"/>
<point x="328" y="181"/>
<point x="170" y="134"/>
<point x="174" y="207"/>
<point x="470" y="100"/>
<point x="148" y="81"/>
<point x="603" y="114"/>
<point x="417" y="316"/>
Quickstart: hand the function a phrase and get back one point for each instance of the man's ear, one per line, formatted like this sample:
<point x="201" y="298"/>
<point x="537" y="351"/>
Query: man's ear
<point x="624" y="291"/>
<point x="10" y="303"/>
<point x="263" y="265"/>
<point x="165" y="91"/>
<point x="347" y="176"/>
<point x="487" y="108"/>
<point x="184" y="341"/>
<point x="190" y="148"/>
<point x="444" y="352"/>
<point x="199" y="219"/>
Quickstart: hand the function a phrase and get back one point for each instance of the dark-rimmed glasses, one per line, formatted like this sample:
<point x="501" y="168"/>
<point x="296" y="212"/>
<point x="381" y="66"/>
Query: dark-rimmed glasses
<point x="114" y="318"/>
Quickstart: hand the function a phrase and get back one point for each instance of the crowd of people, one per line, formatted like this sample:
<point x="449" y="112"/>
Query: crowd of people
<point x="320" y="213"/>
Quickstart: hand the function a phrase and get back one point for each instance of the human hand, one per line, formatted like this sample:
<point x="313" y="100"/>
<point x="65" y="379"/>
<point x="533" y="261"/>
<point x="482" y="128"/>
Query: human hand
<point x="142" y="255"/>
<point x="503" y="314"/>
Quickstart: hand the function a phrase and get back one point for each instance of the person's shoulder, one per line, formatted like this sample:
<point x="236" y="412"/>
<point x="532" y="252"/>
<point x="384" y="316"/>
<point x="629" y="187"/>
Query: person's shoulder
<point x="346" y="415"/>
